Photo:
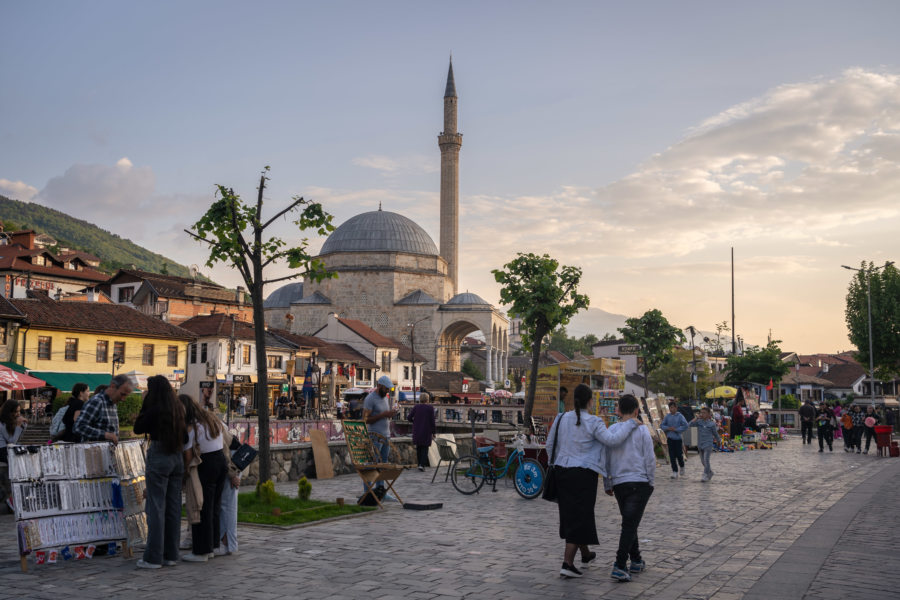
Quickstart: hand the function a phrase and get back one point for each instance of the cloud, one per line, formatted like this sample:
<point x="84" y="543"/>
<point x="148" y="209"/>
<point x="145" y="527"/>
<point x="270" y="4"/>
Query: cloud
<point x="388" y="165"/>
<point x="99" y="193"/>
<point x="17" y="190"/>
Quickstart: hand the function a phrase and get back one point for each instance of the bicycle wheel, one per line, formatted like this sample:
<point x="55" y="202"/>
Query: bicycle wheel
<point x="529" y="478"/>
<point x="467" y="475"/>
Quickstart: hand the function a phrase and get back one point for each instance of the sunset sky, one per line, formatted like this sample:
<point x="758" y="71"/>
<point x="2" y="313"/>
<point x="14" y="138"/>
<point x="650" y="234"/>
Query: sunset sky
<point x="639" y="141"/>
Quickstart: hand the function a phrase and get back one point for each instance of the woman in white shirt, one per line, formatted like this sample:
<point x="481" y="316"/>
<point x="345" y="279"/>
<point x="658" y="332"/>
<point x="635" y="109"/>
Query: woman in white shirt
<point x="578" y="461"/>
<point x="12" y="426"/>
<point x="205" y="438"/>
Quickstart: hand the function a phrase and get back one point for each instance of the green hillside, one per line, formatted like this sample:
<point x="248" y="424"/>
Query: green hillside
<point x="113" y="251"/>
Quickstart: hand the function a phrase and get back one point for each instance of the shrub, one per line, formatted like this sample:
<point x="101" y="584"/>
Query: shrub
<point x="128" y="408"/>
<point x="304" y="488"/>
<point x="265" y="491"/>
<point x="788" y="401"/>
<point x="59" y="402"/>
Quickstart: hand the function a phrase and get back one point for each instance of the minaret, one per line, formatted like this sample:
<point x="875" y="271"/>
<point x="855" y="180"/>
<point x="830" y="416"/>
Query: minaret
<point x="450" y="142"/>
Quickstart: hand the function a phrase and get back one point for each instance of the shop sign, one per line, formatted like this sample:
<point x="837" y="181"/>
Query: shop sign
<point x="631" y="349"/>
<point x="239" y="378"/>
<point x="206" y="385"/>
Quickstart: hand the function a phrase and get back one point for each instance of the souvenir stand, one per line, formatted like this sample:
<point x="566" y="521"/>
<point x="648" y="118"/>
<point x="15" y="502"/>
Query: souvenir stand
<point x="72" y="498"/>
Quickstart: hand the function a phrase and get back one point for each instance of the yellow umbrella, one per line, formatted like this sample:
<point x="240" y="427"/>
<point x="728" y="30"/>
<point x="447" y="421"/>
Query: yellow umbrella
<point x="723" y="391"/>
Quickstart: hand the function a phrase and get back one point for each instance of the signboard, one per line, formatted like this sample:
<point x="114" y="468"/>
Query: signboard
<point x="506" y="383"/>
<point x="206" y="385"/>
<point x="240" y="378"/>
<point x="598" y="373"/>
<point x="631" y="349"/>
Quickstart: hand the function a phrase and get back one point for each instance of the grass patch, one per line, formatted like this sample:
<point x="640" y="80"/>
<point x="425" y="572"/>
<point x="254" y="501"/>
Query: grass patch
<point x="294" y="511"/>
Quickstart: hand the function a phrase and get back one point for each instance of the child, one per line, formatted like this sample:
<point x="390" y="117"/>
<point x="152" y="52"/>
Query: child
<point x="674" y="424"/>
<point x="630" y="469"/>
<point x="707" y="436"/>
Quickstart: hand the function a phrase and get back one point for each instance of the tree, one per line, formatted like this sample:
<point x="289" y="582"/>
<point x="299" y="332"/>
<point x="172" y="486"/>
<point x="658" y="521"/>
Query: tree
<point x="674" y="377"/>
<point x="223" y="229"/>
<point x="757" y="365"/>
<point x="545" y="296"/>
<point x="885" y="282"/>
<point x="561" y="341"/>
<point x="472" y="370"/>
<point x="656" y="337"/>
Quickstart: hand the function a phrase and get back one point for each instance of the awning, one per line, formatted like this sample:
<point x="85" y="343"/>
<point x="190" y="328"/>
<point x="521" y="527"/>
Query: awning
<point x="14" y="366"/>
<point x="64" y="381"/>
<point x="10" y="380"/>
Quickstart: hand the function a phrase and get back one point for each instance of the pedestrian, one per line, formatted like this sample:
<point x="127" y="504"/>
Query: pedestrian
<point x="80" y="394"/>
<point x="630" y="476"/>
<point x="872" y="419"/>
<point x="377" y="413"/>
<point x="807" y="418"/>
<point x="825" y="426"/>
<point x="561" y="405"/>
<point x="752" y="422"/>
<point x="707" y="438"/>
<point x="838" y="434"/>
<point x="206" y="441"/>
<point x="162" y="418"/>
<point x="684" y="407"/>
<point x="99" y="420"/>
<point x="579" y="458"/>
<point x="858" y="419"/>
<point x="737" y="415"/>
<point x="12" y="426"/>
<point x="423" y="429"/>
<point x="847" y="430"/>
<point x="243" y="404"/>
<point x="339" y="407"/>
<point x="675" y="424"/>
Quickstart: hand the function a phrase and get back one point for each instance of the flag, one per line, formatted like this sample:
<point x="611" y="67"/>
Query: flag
<point x="307" y="382"/>
<point x="771" y="385"/>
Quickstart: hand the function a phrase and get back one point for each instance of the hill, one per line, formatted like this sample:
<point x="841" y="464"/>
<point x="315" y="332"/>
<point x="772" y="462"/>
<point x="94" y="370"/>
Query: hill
<point x="113" y="251"/>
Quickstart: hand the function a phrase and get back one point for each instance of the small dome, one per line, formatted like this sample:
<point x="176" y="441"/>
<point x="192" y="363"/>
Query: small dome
<point x="380" y="231"/>
<point x="284" y="296"/>
<point x="467" y="298"/>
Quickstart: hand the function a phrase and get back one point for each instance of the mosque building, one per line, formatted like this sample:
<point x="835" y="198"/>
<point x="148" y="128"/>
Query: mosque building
<point x="393" y="279"/>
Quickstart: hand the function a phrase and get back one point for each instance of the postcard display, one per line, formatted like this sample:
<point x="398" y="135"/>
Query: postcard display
<point x="72" y="498"/>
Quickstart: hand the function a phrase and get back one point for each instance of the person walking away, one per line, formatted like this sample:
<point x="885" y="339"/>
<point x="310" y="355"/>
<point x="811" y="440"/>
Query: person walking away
<point x="630" y="476"/>
<point x="80" y="395"/>
<point x="872" y="419"/>
<point x="377" y="414"/>
<point x="205" y="439"/>
<point x="847" y="430"/>
<point x="684" y="407"/>
<point x="807" y="418"/>
<point x="675" y="424"/>
<point x="707" y="438"/>
<point x="838" y="434"/>
<point x="858" y="420"/>
<point x="737" y="416"/>
<point x="99" y="420"/>
<point x="162" y="418"/>
<point x="580" y="439"/>
<point x="825" y="425"/>
<point x="424" y="427"/>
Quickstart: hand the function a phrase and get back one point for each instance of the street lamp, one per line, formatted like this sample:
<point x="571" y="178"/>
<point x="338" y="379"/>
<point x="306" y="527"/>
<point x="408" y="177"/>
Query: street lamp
<point x="868" y="273"/>
<point x="412" y="342"/>
<point x="693" y="331"/>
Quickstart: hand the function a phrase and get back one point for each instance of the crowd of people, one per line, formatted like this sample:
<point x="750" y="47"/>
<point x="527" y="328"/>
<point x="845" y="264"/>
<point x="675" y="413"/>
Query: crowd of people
<point x="833" y="421"/>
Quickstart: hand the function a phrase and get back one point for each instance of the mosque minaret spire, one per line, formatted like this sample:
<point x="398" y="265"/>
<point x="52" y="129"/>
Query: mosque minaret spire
<point x="450" y="142"/>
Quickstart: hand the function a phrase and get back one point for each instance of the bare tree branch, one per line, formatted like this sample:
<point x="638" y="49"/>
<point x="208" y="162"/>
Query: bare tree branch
<point x="197" y="237"/>
<point x="277" y="279"/>
<point x="280" y="213"/>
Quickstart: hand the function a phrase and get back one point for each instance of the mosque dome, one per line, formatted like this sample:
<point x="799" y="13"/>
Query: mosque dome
<point x="380" y="231"/>
<point x="467" y="298"/>
<point x="284" y="296"/>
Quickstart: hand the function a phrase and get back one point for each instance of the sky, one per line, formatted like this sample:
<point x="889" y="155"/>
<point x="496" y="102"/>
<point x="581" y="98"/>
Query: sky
<point x="640" y="142"/>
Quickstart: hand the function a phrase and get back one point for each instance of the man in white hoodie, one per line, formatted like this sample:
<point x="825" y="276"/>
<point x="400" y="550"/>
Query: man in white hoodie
<point x="630" y="473"/>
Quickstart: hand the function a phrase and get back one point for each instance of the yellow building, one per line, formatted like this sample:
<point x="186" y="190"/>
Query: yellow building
<point x="67" y="342"/>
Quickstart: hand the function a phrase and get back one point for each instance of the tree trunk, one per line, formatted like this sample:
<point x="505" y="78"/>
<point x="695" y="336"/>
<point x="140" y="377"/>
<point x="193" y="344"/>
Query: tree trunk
<point x="262" y="382"/>
<point x="532" y="380"/>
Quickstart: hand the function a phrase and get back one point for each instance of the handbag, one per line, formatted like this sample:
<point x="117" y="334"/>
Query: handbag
<point x="550" y="492"/>
<point x="243" y="456"/>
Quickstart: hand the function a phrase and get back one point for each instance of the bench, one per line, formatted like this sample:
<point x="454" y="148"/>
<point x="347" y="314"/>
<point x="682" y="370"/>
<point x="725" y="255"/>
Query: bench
<point x="368" y="463"/>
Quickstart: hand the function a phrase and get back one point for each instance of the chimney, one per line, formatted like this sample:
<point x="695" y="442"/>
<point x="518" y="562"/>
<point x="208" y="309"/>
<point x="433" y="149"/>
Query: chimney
<point x="239" y="295"/>
<point x="826" y="367"/>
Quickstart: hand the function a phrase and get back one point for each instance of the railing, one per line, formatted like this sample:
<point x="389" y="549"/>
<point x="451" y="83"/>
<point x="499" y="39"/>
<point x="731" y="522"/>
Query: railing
<point x="459" y="413"/>
<point x="154" y="309"/>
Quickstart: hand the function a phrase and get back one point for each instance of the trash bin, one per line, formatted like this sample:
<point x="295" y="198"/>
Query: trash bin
<point x="883" y="438"/>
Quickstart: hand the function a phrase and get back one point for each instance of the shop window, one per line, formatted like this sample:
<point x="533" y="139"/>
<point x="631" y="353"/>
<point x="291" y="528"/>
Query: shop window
<point x="147" y="356"/>
<point x="172" y="356"/>
<point x="72" y="349"/>
<point x="102" y="351"/>
<point x="45" y="344"/>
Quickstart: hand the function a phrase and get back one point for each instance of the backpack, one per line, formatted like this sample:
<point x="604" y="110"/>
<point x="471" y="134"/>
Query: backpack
<point x="847" y="421"/>
<point x="57" y="427"/>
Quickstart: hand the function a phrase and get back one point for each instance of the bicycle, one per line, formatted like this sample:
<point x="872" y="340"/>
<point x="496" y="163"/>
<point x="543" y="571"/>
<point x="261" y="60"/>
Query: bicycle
<point x="469" y="473"/>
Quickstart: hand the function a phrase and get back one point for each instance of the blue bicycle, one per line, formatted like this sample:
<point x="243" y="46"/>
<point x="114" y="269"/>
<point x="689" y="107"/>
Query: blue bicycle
<point x="470" y="472"/>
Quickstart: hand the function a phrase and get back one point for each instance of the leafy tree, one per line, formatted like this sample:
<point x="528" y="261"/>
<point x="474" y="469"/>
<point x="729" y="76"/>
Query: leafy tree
<point x="656" y="337"/>
<point x="235" y="233"/>
<point x="757" y="365"/>
<point x="472" y="370"/>
<point x="716" y="346"/>
<point x="674" y="377"/>
<point x="561" y="341"/>
<point x="609" y="337"/>
<point x="545" y="296"/>
<point x="885" y="282"/>
<point x="789" y="401"/>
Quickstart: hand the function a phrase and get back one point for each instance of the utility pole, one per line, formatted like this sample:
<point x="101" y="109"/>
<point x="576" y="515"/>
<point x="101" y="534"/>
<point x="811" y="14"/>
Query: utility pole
<point x="412" y="341"/>
<point x="693" y="331"/>
<point x="733" y="343"/>
<point x="229" y="392"/>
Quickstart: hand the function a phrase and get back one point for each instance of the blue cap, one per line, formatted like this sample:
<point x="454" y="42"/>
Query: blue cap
<point x="385" y="381"/>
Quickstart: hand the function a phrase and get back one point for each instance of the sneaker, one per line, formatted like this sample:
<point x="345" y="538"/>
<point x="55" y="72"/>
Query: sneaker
<point x="211" y="555"/>
<point x="704" y="478"/>
<point x="674" y="475"/>
<point x="191" y="557"/>
<point x="421" y="468"/>
<point x="620" y="574"/>
<point x="858" y="451"/>
<point x="587" y="559"/>
<point x="389" y="498"/>
<point x="710" y="476"/>
<point x="865" y="452"/>
<point x="220" y="551"/>
<point x="145" y="565"/>
<point x="170" y="563"/>
<point x="569" y="571"/>
<point x="830" y="449"/>
<point x="637" y="567"/>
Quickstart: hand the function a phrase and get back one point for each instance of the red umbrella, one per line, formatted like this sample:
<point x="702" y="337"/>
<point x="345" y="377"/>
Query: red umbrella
<point x="10" y="380"/>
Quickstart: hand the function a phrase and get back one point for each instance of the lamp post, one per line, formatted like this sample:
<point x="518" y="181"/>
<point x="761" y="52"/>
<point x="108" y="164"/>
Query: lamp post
<point x="693" y="331"/>
<point x="868" y="273"/>
<point x="412" y="342"/>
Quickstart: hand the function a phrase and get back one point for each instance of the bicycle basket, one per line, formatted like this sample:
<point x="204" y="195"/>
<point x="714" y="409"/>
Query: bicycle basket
<point x="499" y="450"/>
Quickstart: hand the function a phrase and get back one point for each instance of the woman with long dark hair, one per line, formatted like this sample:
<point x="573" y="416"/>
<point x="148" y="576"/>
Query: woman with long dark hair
<point x="12" y="426"/>
<point x="162" y="417"/>
<point x="206" y="440"/>
<point x="578" y="459"/>
<point x="80" y="394"/>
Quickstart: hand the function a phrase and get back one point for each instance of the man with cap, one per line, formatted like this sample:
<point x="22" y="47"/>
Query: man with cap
<point x="377" y="414"/>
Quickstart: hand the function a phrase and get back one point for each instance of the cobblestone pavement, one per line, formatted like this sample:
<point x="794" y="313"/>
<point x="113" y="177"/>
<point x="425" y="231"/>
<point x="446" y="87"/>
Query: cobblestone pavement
<point x="711" y="540"/>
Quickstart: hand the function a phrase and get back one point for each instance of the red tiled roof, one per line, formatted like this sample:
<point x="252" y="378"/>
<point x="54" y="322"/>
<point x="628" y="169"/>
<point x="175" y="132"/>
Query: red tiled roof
<point x="11" y="259"/>
<point x="41" y="311"/>
<point x="302" y="341"/>
<point x="344" y="353"/>
<point x="369" y="334"/>
<point x="844" y="375"/>
<point x="558" y="356"/>
<point x="219" y="325"/>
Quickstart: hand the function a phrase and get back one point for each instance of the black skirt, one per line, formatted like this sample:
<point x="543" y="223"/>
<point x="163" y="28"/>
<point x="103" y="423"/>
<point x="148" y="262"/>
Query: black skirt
<point x="577" y="496"/>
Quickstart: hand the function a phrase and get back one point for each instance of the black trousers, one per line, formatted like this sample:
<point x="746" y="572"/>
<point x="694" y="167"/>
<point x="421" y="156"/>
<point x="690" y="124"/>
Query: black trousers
<point x="870" y="433"/>
<point x="422" y="455"/>
<point x="632" y="499"/>
<point x="676" y="456"/>
<point x="826" y="436"/>
<point x="806" y="428"/>
<point x="213" y="472"/>
<point x="857" y="436"/>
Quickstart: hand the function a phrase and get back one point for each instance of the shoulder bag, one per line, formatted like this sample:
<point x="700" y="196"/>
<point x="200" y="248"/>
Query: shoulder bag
<point x="550" y="492"/>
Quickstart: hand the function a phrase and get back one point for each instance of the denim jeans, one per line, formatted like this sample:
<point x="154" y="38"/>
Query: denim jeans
<point x="163" y="508"/>
<point x="228" y="517"/>
<point x="676" y="456"/>
<point x="705" y="455"/>
<point x="632" y="498"/>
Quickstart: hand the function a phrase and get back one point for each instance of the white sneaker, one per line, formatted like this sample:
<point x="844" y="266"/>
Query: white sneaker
<point x="704" y="478"/>
<point x="191" y="557"/>
<point x="674" y="475"/>
<point x="145" y="565"/>
<point x="170" y="563"/>
<point x="221" y="551"/>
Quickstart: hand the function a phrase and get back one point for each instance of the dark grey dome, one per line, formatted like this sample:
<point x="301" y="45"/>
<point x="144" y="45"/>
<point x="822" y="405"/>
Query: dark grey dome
<point x="284" y="296"/>
<point x="466" y="298"/>
<point x="380" y="231"/>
